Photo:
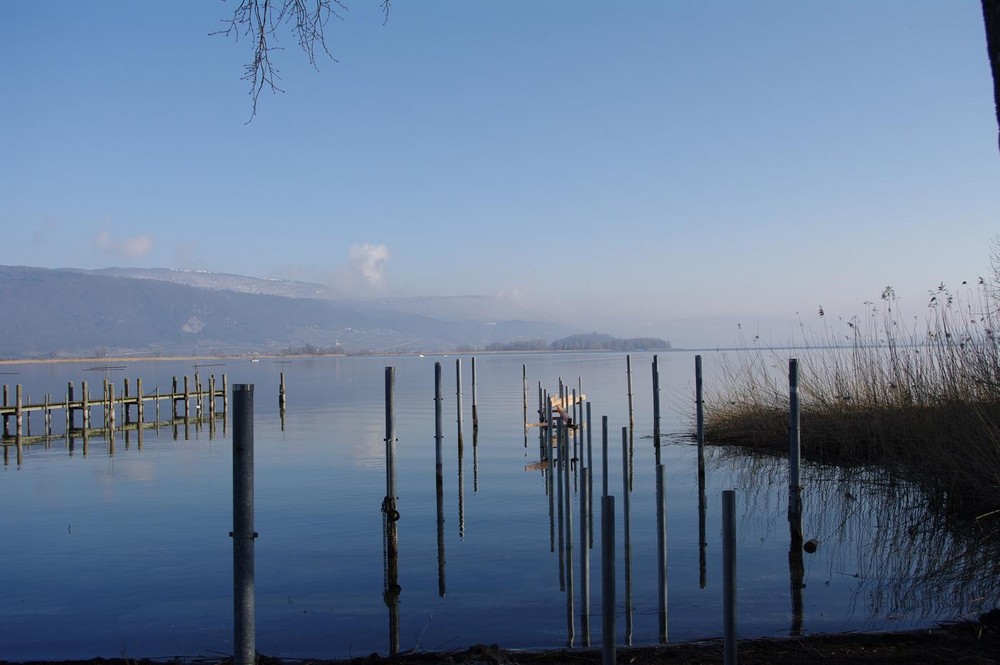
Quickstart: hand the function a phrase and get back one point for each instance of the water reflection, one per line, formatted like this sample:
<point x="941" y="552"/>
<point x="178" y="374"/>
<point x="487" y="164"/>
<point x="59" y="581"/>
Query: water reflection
<point x="906" y="558"/>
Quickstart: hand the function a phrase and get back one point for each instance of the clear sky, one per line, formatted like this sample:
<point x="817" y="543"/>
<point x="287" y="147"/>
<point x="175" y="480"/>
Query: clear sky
<point x="666" y="161"/>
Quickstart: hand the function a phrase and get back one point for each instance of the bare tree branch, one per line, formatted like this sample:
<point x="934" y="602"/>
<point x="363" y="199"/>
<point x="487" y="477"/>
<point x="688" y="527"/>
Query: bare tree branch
<point x="260" y="21"/>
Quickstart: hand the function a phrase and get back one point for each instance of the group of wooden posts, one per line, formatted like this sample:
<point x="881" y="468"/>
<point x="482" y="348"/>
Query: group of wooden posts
<point x="130" y="406"/>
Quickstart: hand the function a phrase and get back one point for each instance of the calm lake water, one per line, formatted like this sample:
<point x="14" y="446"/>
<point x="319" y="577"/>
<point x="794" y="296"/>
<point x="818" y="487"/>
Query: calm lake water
<point x="118" y="548"/>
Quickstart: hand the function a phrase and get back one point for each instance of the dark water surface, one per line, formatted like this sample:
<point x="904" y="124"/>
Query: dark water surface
<point x="124" y="549"/>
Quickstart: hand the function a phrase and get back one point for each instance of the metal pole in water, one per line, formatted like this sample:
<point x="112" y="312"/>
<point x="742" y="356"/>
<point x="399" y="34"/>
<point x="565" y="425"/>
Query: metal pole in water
<point x="458" y="396"/>
<point x="604" y="447"/>
<point x="585" y="540"/>
<point x="628" y="373"/>
<point x="390" y="513"/>
<point x="729" y="576"/>
<point x="608" y="579"/>
<point x="439" y="477"/>
<point x="699" y="407"/>
<point x="794" y="451"/>
<point x="243" y="533"/>
<point x="661" y="549"/>
<point x="475" y="399"/>
<point x="656" y="407"/>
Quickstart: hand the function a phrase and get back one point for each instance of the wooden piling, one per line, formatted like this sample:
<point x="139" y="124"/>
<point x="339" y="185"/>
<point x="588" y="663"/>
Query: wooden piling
<point x="475" y="398"/>
<point x="187" y="398"/>
<point x="628" y="373"/>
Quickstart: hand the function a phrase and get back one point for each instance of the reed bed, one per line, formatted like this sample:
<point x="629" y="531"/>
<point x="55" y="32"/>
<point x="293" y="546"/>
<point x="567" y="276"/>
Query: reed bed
<point x="921" y="399"/>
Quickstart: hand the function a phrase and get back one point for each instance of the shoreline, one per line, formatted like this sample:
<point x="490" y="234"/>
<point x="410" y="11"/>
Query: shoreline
<point x="976" y="641"/>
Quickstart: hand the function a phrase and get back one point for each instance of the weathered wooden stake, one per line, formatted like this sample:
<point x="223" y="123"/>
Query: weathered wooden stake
<point x="656" y="407"/>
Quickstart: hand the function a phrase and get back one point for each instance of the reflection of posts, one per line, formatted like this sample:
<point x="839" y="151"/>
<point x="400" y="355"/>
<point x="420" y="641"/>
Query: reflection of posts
<point x="390" y="515"/>
<point x="702" y="542"/>
<point x="796" y="574"/>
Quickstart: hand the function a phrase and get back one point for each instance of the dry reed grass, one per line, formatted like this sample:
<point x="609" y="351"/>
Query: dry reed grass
<point x="922" y="400"/>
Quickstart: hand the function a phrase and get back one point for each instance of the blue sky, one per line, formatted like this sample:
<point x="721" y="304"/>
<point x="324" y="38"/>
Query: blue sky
<point x="681" y="166"/>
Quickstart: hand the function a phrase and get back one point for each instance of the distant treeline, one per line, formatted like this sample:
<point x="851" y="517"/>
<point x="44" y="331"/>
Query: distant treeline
<point x="588" y="342"/>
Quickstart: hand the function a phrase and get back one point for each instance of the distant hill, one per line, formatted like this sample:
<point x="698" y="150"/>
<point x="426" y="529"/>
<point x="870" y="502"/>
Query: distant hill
<point x="79" y="313"/>
<point x="598" y="342"/>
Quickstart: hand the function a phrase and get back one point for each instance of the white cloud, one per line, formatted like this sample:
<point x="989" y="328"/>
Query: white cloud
<point x="368" y="261"/>
<point x="134" y="247"/>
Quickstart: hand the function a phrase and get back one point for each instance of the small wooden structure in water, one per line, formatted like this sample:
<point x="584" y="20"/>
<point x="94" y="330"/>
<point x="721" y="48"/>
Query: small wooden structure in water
<point x="109" y="404"/>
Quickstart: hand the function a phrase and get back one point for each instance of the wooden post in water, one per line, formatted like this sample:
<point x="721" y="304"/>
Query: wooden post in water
<point x="48" y="416"/>
<point x="125" y="401"/>
<point x="173" y="398"/>
<point x="281" y="392"/>
<point x="69" y="407"/>
<point x="86" y="405"/>
<point x="139" y="403"/>
<point x="211" y="396"/>
<point x="111" y="405"/>
<point x="187" y="398"/>
<point x="6" y="402"/>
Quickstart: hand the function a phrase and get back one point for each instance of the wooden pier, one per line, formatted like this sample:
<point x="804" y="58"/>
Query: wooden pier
<point x="131" y="405"/>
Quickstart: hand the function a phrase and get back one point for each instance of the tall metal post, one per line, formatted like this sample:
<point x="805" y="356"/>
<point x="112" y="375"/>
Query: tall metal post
<point x="729" y="576"/>
<point x="794" y="452"/>
<point x="608" y="579"/>
<point x="243" y="533"/>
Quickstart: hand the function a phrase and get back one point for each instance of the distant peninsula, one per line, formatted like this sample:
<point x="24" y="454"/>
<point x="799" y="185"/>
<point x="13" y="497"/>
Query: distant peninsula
<point x="585" y="342"/>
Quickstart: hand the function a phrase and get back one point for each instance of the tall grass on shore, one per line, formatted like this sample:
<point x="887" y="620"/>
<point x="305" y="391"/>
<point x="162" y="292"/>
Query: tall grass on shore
<point x="922" y="400"/>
